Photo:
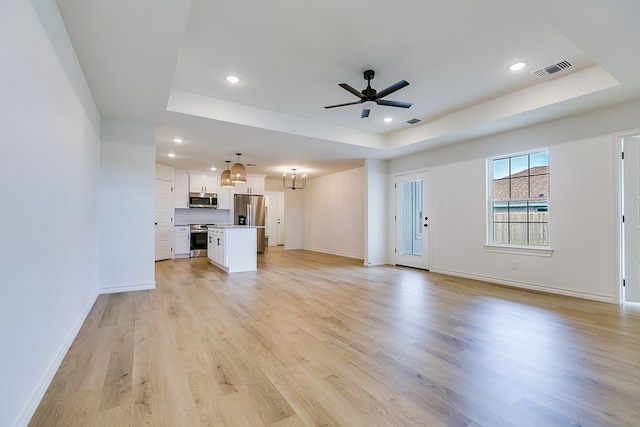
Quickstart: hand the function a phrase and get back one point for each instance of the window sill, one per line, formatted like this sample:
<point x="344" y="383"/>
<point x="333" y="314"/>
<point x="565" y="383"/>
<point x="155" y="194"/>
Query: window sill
<point x="520" y="250"/>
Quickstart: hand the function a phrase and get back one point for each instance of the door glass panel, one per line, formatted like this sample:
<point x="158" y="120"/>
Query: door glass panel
<point x="412" y="217"/>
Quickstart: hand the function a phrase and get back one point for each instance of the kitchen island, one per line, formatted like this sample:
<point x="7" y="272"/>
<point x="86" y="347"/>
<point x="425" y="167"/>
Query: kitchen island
<point x="232" y="248"/>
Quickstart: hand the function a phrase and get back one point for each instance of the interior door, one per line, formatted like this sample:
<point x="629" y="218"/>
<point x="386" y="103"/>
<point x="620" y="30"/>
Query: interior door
<point x="275" y="218"/>
<point x="412" y="220"/>
<point x="164" y="219"/>
<point x="631" y="209"/>
<point x="280" y="219"/>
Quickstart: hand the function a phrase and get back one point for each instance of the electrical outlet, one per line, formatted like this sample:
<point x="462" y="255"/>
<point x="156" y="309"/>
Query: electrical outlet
<point x="514" y="265"/>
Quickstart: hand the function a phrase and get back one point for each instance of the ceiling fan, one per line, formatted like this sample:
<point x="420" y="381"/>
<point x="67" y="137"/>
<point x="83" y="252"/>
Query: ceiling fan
<point x="369" y="95"/>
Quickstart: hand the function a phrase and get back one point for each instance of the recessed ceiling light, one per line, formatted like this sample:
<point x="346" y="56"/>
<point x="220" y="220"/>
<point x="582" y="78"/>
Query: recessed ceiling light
<point x="213" y="169"/>
<point x="171" y="155"/>
<point x="177" y="140"/>
<point x="233" y="79"/>
<point x="388" y="119"/>
<point x="517" y="66"/>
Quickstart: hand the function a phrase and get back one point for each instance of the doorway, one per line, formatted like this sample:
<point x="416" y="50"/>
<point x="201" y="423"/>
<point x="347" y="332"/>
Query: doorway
<point x="275" y="217"/>
<point x="630" y="234"/>
<point x="412" y="220"/>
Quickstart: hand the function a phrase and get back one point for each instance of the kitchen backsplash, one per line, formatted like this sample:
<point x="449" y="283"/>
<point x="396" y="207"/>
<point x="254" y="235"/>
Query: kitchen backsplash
<point x="202" y="216"/>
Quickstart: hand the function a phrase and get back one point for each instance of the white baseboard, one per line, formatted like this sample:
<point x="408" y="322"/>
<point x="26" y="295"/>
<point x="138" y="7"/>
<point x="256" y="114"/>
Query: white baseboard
<point x="127" y="288"/>
<point x="32" y="403"/>
<point x="527" y="285"/>
<point x="376" y="263"/>
<point x="34" y="400"/>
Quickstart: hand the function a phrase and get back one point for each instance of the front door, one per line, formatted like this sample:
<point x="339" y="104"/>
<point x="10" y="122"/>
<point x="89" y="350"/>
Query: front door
<point x="412" y="220"/>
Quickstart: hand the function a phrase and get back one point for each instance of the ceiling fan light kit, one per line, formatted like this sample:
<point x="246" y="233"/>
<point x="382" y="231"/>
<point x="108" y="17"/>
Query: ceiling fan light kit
<point x="369" y="97"/>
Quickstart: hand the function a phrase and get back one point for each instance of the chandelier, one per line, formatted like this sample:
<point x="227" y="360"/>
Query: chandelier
<point x="293" y="185"/>
<point x="238" y="171"/>
<point x="225" y="177"/>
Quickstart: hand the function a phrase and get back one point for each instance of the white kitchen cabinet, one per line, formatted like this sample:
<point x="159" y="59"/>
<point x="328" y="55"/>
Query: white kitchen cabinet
<point x="203" y="182"/>
<point x="182" y="241"/>
<point x="216" y="246"/>
<point x="181" y="189"/>
<point x="233" y="248"/>
<point x="254" y="185"/>
<point x="210" y="249"/>
<point x="224" y="197"/>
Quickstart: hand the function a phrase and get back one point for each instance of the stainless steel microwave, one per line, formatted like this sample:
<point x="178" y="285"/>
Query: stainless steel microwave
<point x="203" y="200"/>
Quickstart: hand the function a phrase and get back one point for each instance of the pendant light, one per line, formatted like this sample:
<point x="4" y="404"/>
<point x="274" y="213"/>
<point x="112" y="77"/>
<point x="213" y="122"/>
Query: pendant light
<point x="225" y="177"/>
<point x="238" y="171"/>
<point x="293" y="181"/>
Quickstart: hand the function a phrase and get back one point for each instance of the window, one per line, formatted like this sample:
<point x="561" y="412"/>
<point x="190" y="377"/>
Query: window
<point x="519" y="199"/>
<point x="412" y="217"/>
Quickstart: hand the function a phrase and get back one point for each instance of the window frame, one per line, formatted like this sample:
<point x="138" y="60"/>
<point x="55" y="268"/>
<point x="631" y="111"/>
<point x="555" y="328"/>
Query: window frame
<point x="516" y="248"/>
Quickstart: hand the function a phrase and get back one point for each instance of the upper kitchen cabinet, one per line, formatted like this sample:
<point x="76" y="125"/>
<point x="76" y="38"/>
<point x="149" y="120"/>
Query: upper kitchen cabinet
<point x="181" y="189"/>
<point x="254" y="185"/>
<point x="224" y="198"/>
<point x="203" y="182"/>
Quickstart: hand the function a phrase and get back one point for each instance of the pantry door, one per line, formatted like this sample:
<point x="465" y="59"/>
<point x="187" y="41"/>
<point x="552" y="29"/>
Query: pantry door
<point x="164" y="219"/>
<point x="412" y="220"/>
<point x="631" y="214"/>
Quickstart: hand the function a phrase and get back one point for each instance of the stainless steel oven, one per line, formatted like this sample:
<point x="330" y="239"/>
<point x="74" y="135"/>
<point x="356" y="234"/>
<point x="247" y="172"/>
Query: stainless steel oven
<point x="199" y="240"/>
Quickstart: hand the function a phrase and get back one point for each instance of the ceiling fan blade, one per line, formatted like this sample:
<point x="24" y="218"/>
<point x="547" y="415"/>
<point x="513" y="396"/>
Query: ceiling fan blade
<point x="365" y="113"/>
<point x="394" y="103"/>
<point x="392" y="88"/>
<point x="356" y="92"/>
<point x="343" y="105"/>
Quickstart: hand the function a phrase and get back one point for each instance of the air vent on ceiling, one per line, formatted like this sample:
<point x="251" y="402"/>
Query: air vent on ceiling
<point x="413" y="121"/>
<point x="551" y="69"/>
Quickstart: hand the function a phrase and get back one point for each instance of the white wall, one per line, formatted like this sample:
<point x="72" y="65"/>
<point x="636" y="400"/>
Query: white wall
<point x="376" y="213"/>
<point x="166" y="173"/>
<point x="334" y="213"/>
<point x="49" y="174"/>
<point x="127" y="206"/>
<point x="273" y="185"/>
<point x="583" y="205"/>
<point x="294" y="218"/>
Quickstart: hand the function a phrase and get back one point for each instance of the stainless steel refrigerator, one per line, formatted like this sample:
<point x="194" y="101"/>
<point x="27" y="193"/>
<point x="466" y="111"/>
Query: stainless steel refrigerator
<point x="249" y="210"/>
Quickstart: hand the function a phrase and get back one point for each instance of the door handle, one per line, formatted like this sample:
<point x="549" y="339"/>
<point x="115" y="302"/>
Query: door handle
<point x="426" y="225"/>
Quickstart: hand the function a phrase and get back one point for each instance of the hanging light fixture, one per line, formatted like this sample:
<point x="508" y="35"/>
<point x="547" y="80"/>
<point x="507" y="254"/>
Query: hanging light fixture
<point x="238" y="171"/>
<point x="293" y="181"/>
<point x="225" y="177"/>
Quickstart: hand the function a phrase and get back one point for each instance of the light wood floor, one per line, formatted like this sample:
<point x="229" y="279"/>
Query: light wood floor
<point x="314" y="339"/>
